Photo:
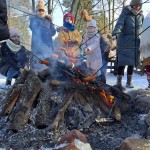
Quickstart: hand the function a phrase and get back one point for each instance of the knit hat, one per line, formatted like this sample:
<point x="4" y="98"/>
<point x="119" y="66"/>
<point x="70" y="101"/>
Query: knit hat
<point x="68" y="15"/>
<point x="40" y="5"/>
<point x="135" y="2"/>
<point x="13" y="32"/>
<point x="92" y="23"/>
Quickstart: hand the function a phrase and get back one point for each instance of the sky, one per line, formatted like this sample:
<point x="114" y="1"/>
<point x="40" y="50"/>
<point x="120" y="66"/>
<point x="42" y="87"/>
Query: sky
<point x="58" y="15"/>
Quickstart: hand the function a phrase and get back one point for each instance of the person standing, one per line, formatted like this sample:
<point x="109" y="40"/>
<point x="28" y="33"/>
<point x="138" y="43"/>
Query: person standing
<point x="91" y="47"/>
<point x="42" y="32"/>
<point x="4" y="31"/>
<point x="126" y="32"/>
<point x="70" y="38"/>
<point x="145" y="48"/>
<point x="13" y="57"/>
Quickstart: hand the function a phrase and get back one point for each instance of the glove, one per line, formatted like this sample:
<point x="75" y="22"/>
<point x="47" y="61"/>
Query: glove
<point x="49" y="17"/>
<point x="21" y="70"/>
<point x="114" y="37"/>
<point x="26" y="68"/>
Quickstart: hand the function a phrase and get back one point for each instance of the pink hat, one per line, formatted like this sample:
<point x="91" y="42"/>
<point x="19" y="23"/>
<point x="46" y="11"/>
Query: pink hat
<point x="14" y="32"/>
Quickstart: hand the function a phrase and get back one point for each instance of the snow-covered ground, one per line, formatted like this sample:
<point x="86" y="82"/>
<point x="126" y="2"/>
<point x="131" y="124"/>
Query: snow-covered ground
<point x="139" y="82"/>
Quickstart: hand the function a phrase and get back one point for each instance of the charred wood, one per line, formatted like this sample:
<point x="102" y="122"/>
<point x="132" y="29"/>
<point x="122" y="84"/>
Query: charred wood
<point x="43" y="107"/>
<point x="61" y="112"/>
<point x="12" y="95"/>
<point x="28" y="93"/>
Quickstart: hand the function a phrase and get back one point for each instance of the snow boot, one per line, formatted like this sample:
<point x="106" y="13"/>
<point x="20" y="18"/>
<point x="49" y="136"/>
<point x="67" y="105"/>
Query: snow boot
<point x="8" y="82"/>
<point x="119" y="83"/>
<point x="129" y="79"/>
<point x="148" y="88"/>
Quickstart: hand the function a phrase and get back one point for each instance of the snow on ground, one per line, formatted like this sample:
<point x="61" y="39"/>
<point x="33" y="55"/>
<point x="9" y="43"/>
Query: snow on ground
<point x="139" y="82"/>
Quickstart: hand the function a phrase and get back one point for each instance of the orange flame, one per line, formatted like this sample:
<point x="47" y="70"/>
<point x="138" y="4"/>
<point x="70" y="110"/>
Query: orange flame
<point x="109" y="99"/>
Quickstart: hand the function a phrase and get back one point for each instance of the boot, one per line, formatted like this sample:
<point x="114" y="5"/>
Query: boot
<point x="148" y="88"/>
<point x="119" y="83"/>
<point x="129" y="79"/>
<point x="8" y="82"/>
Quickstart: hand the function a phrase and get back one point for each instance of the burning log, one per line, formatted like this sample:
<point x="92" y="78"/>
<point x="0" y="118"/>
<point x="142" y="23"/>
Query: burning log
<point x="43" y="107"/>
<point x="28" y="92"/>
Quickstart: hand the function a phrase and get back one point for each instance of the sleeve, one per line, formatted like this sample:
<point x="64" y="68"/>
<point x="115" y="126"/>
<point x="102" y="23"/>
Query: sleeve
<point x="52" y="29"/>
<point x="61" y="36"/>
<point x="119" y="25"/>
<point x="78" y="36"/>
<point x="95" y="44"/>
<point x="11" y="61"/>
<point x="103" y="44"/>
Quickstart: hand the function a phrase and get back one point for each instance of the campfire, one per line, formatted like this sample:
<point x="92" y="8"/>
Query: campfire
<point x="79" y="102"/>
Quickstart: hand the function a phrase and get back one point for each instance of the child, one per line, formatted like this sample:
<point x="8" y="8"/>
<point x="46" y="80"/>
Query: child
<point x="69" y="37"/>
<point x="91" y="47"/>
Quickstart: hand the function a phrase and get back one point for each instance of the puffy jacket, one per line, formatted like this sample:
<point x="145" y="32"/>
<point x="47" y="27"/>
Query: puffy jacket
<point x="10" y="59"/>
<point x="127" y="30"/>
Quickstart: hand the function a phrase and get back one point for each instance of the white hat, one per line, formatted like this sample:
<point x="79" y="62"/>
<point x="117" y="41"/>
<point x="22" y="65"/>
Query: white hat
<point x="92" y="23"/>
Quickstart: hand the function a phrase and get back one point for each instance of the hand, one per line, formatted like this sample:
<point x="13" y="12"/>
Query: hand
<point x="21" y="70"/>
<point x="114" y="37"/>
<point x="26" y="68"/>
<point x="89" y="52"/>
<point x="49" y="17"/>
<point x="72" y="42"/>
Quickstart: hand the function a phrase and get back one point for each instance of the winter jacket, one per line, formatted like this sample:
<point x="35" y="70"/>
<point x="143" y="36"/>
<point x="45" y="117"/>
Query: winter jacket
<point x="94" y="61"/>
<point x="145" y="41"/>
<point x="4" y="32"/>
<point x="10" y="59"/>
<point x="127" y="29"/>
<point x="42" y="32"/>
<point x="66" y="35"/>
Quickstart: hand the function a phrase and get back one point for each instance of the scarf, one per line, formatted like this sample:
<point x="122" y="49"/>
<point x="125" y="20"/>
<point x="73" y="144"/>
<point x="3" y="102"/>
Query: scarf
<point x="69" y="26"/>
<point x="13" y="47"/>
<point x="134" y="11"/>
<point x="91" y="32"/>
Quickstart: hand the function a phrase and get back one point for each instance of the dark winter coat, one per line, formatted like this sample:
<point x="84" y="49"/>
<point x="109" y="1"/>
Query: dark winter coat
<point x="4" y="32"/>
<point x="9" y="59"/>
<point x="127" y="29"/>
<point x="42" y="32"/>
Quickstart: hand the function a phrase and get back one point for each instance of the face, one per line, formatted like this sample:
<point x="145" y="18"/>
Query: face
<point x="90" y="27"/>
<point x="15" y="39"/>
<point x="137" y="7"/>
<point x="41" y="12"/>
<point x="68" y="19"/>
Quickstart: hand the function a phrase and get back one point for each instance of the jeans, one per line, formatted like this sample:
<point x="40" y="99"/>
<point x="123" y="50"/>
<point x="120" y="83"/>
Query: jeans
<point x="104" y="67"/>
<point x="12" y="73"/>
<point x="129" y="70"/>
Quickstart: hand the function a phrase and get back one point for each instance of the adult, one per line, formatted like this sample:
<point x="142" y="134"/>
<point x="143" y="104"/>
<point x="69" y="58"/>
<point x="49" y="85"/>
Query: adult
<point x="42" y="32"/>
<point x="13" y="57"/>
<point x="127" y="31"/>
<point x="145" y="48"/>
